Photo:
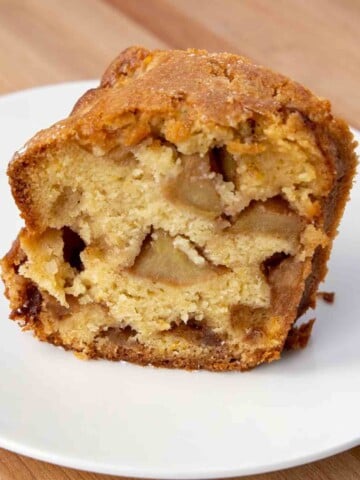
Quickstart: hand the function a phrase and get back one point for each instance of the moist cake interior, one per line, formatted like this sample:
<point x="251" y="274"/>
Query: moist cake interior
<point x="178" y="249"/>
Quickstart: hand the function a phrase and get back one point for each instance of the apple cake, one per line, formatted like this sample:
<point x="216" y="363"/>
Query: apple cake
<point x="181" y="216"/>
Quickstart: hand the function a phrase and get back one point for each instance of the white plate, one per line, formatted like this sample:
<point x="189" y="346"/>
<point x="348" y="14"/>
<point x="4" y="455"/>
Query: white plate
<point x="123" y="419"/>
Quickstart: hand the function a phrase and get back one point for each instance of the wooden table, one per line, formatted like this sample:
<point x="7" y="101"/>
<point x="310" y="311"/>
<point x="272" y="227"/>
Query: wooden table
<point x="314" y="41"/>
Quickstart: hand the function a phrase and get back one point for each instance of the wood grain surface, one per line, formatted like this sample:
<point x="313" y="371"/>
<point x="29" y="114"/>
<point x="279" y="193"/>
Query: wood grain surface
<point x="314" y="41"/>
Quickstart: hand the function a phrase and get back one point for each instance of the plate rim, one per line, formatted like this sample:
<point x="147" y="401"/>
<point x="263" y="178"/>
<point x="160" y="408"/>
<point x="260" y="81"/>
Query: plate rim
<point x="129" y="471"/>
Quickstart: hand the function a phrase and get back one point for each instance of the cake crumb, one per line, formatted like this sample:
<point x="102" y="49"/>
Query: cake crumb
<point x="298" y="337"/>
<point x="328" y="297"/>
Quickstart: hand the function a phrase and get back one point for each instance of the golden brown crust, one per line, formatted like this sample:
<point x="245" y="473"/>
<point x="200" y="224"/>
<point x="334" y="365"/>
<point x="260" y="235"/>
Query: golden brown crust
<point x="336" y="142"/>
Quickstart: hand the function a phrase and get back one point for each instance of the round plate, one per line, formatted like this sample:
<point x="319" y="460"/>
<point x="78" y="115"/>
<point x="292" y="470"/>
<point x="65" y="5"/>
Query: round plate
<point x="124" y="419"/>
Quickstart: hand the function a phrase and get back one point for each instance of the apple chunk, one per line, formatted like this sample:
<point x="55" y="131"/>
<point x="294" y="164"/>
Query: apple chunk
<point x="160" y="261"/>
<point x="194" y="186"/>
<point x="272" y="217"/>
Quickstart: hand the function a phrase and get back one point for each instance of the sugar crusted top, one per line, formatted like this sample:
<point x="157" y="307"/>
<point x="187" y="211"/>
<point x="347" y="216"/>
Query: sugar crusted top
<point x="182" y="90"/>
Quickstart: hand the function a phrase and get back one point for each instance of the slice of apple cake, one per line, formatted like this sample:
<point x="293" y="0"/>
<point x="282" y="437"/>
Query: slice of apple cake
<point x="182" y="215"/>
